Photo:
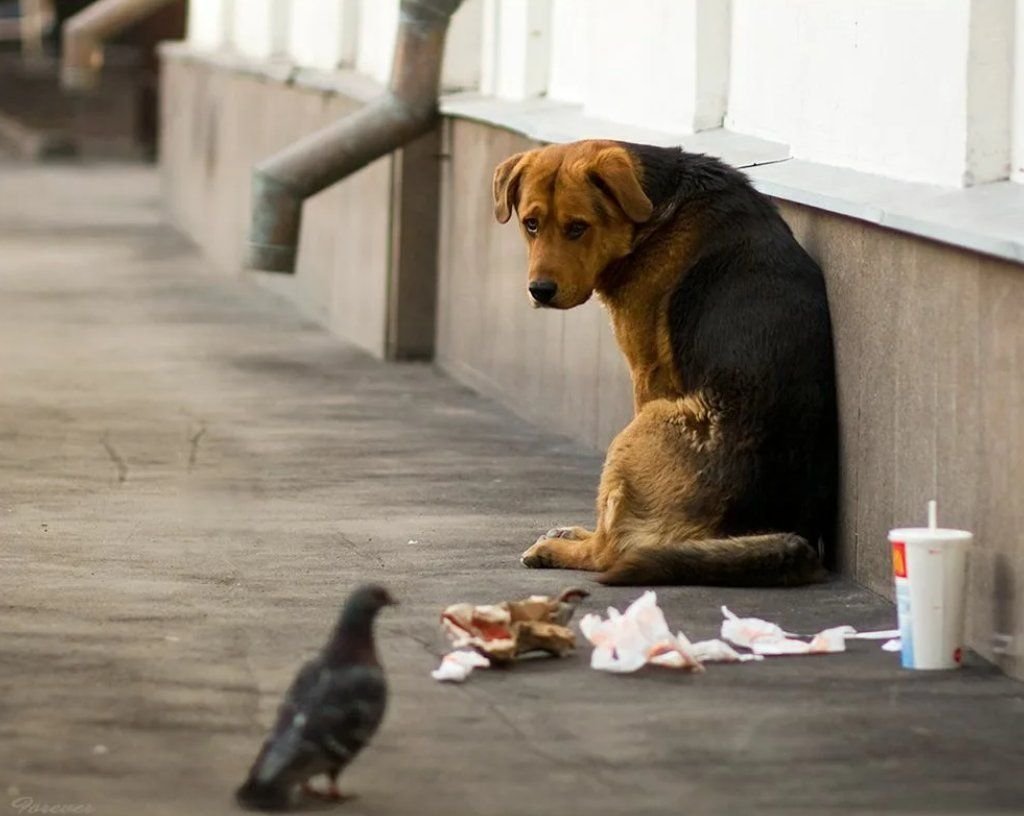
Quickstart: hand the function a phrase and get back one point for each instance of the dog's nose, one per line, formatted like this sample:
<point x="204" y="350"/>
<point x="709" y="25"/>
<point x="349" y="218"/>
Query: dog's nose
<point x="543" y="291"/>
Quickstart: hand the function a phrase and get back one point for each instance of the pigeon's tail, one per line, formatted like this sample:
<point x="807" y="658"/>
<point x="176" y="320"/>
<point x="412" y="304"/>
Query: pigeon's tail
<point x="253" y="795"/>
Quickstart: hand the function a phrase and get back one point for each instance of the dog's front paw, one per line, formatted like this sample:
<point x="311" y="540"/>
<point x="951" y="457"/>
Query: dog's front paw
<point x="571" y="533"/>
<point x="539" y="556"/>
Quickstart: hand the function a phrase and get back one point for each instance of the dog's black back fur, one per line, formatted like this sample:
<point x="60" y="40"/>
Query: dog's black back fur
<point x="749" y="326"/>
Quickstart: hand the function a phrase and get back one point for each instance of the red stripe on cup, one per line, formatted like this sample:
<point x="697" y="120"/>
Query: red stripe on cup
<point x="899" y="559"/>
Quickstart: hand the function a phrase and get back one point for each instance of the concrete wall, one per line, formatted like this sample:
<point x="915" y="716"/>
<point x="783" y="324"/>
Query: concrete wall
<point x="930" y="352"/>
<point x="217" y="124"/>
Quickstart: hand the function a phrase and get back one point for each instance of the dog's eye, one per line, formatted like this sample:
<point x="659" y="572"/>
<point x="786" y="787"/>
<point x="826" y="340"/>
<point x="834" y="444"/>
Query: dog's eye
<point x="531" y="225"/>
<point x="575" y="229"/>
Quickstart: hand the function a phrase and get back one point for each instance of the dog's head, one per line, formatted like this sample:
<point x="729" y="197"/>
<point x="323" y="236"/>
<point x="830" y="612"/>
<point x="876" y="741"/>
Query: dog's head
<point x="578" y="206"/>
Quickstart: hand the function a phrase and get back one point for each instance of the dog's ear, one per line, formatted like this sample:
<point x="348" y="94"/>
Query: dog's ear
<point x="506" y="185"/>
<point x="612" y="172"/>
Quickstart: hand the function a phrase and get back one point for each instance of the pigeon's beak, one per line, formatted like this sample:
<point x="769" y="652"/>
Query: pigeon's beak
<point x="391" y="601"/>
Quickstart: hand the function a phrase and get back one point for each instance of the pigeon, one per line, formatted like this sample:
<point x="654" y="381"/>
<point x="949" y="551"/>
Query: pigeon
<point x="332" y="710"/>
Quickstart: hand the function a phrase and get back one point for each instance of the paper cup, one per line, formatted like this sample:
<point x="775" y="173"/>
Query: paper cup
<point x="930" y="568"/>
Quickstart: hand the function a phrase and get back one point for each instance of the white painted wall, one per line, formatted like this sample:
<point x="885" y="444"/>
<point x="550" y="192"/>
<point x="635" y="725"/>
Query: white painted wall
<point x="210" y="23"/>
<point x="904" y="88"/>
<point x="378" y="23"/>
<point x="1017" y="158"/>
<point x="642" y="66"/>
<point x="462" y="54"/>
<point x="570" y="50"/>
<point x="856" y="84"/>
<point x="322" y="33"/>
<point x="260" y="28"/>
<point x="516" y="45"/>
<point x="662" y="64"/>
<point x="922" y="90"/>
<point x="989" y="91"/>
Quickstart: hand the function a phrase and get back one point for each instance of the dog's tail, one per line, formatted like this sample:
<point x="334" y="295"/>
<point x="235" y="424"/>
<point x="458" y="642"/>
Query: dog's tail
<point x="772" y="560"/>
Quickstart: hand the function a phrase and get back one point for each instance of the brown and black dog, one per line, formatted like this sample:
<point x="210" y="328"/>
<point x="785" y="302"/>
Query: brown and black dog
<point x="727" y="472"/>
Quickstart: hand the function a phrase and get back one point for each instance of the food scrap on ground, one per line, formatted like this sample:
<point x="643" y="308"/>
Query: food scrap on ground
<point x="627" y="641"/>
<point x="458" y="665"/>
<point x="500" y="633"/>
<point x="624" y="642"/>
<point x="766" y="638"/>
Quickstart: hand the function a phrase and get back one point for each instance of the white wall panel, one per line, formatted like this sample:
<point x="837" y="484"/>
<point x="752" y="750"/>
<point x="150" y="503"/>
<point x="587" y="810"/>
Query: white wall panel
<point x="260" y="28"/>
<point x="569" y="50"/>
<point x="461" y="69"/>
<point x="904" y="88"/>
<point x="378" y="24"/>
<point x="643" y="66"/>
<point x="989" y="91"/>
<point x="210" y="23"/>
<point x="1017" y="171"/>
<point x="516" y="45"/>
<point x="322" y="33"/>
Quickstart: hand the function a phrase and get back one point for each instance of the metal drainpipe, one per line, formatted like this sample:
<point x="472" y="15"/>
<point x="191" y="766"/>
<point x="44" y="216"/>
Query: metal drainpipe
<point x="406" y="111"/>
<point x="85" y="33"/>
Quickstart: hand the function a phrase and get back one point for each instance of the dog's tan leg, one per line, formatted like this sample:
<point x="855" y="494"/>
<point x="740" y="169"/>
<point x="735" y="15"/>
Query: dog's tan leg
<point x="648" y="479"/>
<point x="576" y="547"/>
<point x="566" y="553"/>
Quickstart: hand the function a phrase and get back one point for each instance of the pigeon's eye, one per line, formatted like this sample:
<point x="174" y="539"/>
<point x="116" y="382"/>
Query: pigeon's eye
<point x="576" y="229"/>
<point x="531" y="225"/>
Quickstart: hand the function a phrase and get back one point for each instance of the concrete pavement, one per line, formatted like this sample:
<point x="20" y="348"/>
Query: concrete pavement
<point x="192" y="476"/>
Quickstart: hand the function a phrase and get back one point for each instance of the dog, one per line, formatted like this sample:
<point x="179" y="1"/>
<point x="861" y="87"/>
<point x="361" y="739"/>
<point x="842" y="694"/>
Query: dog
<point x="727" y="473"/>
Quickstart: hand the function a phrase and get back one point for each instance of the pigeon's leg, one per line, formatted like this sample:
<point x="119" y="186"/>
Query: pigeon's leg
<point x="332" y="793"/>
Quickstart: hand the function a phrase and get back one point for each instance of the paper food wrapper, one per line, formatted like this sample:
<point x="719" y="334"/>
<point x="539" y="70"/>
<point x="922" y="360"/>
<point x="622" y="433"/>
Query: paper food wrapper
<point x="624" y="641"/>
<point x="627" y="641"/>
<point x="456" y="666"/>
<point x="502" y="632"/>
<point x="766" y="638"/>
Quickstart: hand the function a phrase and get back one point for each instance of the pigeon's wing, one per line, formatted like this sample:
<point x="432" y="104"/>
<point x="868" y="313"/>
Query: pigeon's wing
<point x="328" y="715"/>
<point x="283" y="750"/>
<point x="349" y="713"/>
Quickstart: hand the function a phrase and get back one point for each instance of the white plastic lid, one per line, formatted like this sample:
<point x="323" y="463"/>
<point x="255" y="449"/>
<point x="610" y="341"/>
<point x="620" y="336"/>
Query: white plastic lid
<point x="940" y="535"/>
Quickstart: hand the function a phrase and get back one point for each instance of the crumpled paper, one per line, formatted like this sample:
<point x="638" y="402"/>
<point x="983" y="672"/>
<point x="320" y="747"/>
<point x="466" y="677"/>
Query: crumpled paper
<point x="458" y="665"/>
<point x="627" y="641"/>
<point x="766" y="638"/>
<point x="502" y="632"/>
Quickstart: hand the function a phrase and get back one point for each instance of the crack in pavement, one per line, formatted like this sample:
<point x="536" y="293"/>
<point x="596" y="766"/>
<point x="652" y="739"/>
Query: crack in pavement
<point x="115" y="457"/>
<point x="359" y="552"/>
<point x="193" y="441"/>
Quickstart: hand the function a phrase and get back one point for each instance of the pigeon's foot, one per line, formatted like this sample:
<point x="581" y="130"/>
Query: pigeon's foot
<point x="328" y="793"/>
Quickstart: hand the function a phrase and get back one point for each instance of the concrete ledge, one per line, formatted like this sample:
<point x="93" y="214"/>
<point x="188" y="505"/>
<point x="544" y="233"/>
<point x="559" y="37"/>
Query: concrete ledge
<point x="343" y="82"/>
<point x="988" y="218"/>
<point x="546" y="120"/>
<point x="367" y="249"/>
